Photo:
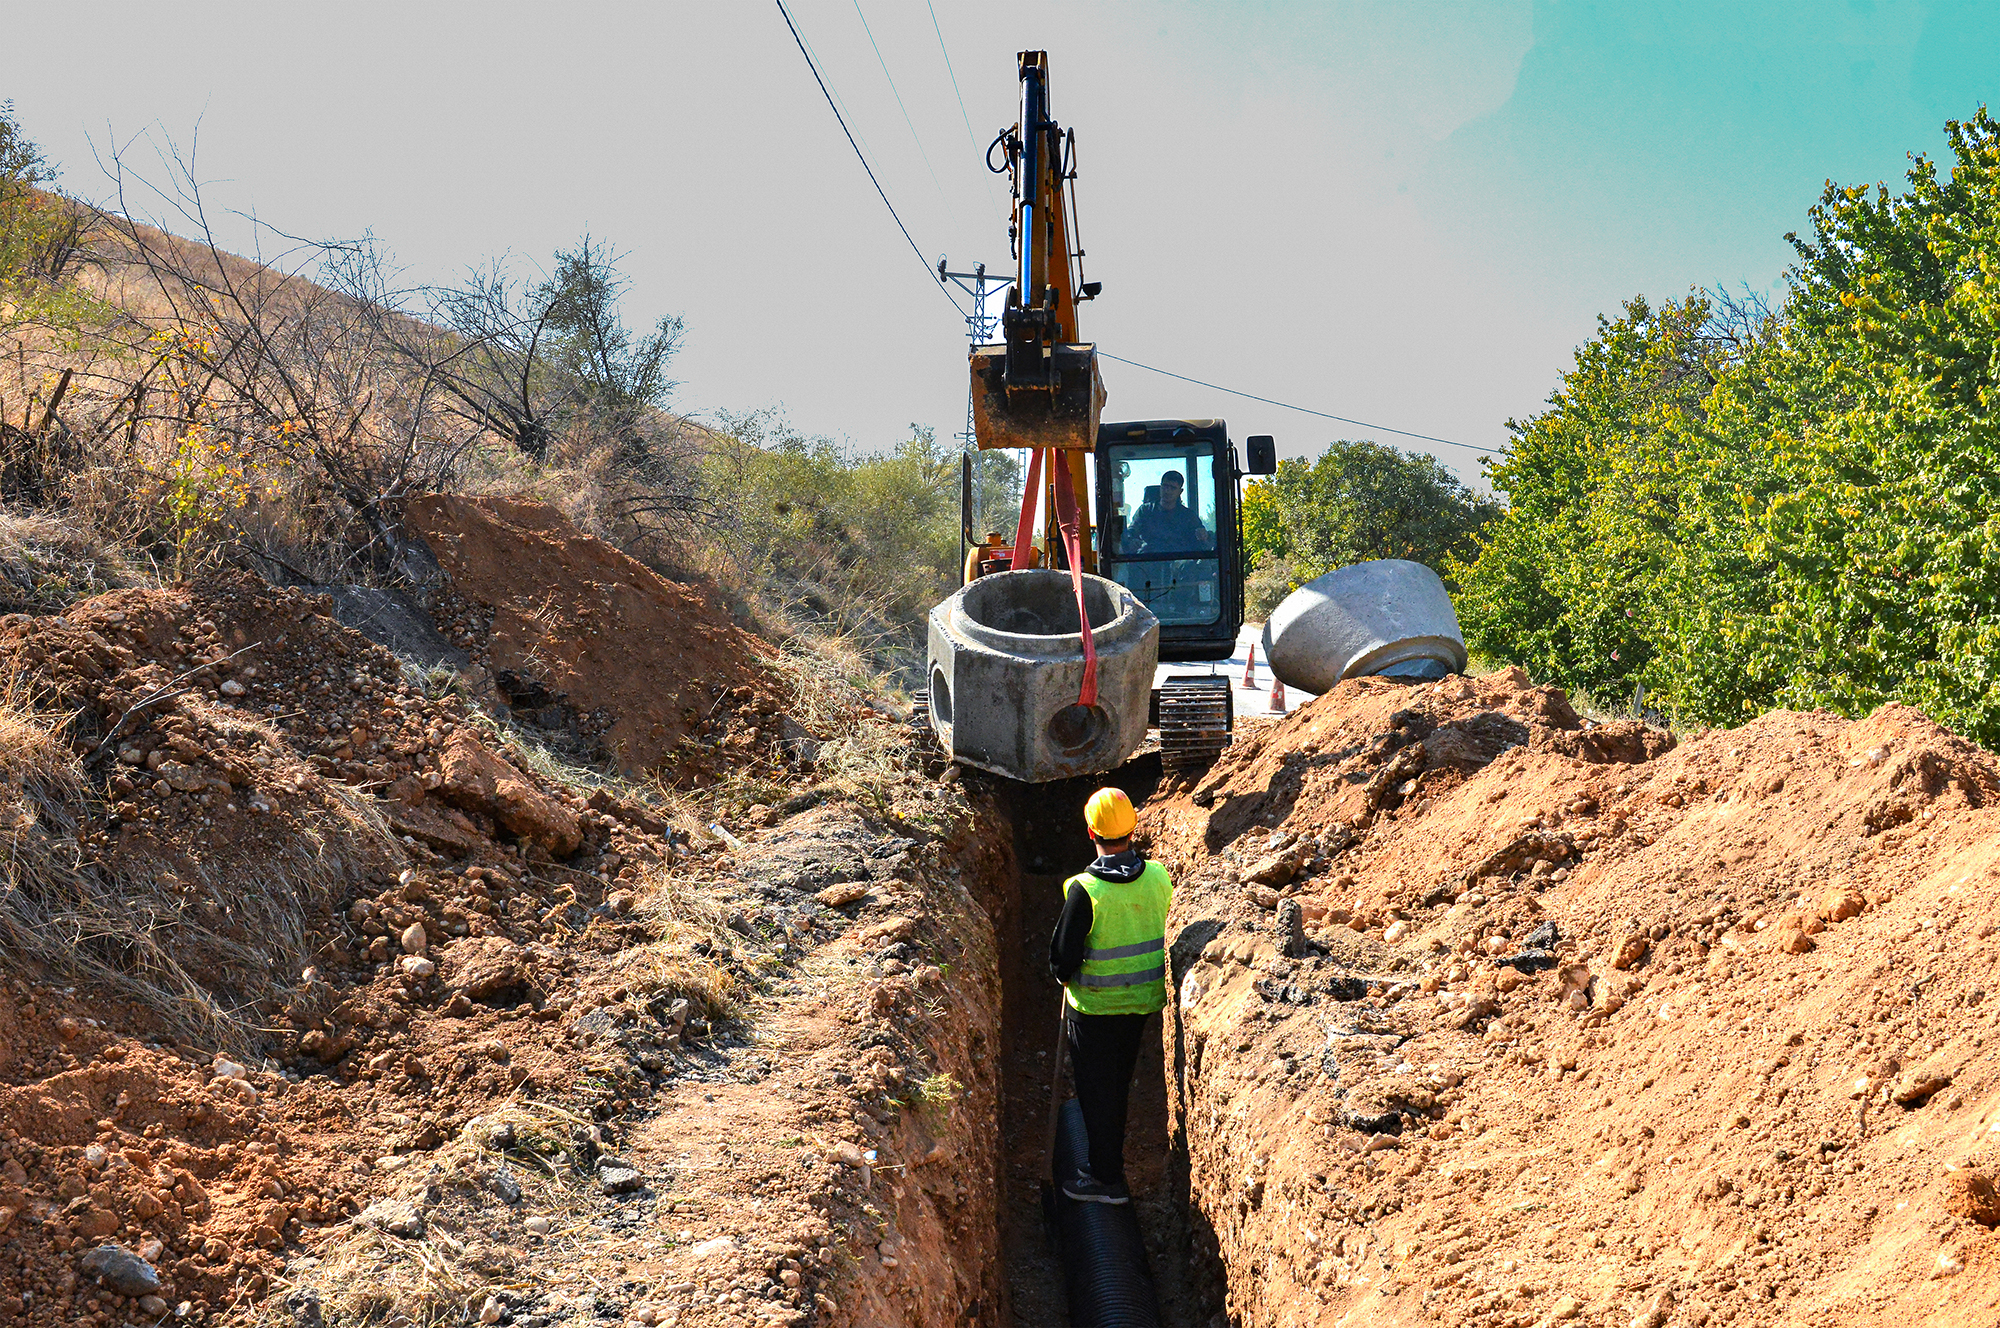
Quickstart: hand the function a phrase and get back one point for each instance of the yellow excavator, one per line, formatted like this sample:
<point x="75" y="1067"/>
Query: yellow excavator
<point x="1164" y="520"/>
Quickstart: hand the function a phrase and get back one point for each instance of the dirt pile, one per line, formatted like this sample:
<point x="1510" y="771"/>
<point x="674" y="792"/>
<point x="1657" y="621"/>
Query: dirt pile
<point x="1487" y="1016"/>
<point x="266" y="817"/>
<point x="322" y="1004"/>
<point x="581" y="639"/>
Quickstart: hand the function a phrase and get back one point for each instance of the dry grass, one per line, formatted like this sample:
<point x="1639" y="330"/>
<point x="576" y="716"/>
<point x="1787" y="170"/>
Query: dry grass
<point x="689" y="957"/>
<point x="667" y="969"/>
<point x="48" y="563"/>
<point x="163" y="939"/>
<point x="531" y="752"/>
<point x="369" y="1276"/>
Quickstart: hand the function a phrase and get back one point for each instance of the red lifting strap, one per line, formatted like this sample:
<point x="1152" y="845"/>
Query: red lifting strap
<point x="1024" y="533"/>
<point x="1073" y="543"/>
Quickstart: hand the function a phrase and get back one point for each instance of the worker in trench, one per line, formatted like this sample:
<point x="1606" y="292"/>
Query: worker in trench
<point x="1110" y="953"/>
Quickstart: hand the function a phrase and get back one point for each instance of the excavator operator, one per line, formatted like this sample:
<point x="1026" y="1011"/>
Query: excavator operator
<point x="1169" y="526"/>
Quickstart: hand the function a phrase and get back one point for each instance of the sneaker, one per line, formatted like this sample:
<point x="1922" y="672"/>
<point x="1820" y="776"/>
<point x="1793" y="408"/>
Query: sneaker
<point x="1086" y="1188"/>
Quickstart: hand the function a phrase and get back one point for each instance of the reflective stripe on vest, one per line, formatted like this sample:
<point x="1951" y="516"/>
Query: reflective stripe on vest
<point x="1125" y="969"/>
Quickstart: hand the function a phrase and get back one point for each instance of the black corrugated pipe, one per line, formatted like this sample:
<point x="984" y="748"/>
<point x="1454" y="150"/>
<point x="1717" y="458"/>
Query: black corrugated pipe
<point x="1103" y="1255"/>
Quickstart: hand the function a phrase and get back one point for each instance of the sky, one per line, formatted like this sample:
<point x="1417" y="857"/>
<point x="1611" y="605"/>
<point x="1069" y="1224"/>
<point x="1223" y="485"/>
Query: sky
<point x="1404" y="212"/>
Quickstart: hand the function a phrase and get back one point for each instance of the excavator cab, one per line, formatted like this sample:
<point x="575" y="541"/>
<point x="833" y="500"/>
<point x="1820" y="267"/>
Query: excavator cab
<point x="1168" y="527"/>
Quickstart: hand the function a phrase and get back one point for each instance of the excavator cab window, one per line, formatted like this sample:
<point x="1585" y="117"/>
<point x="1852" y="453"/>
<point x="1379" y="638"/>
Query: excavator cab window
<point x="1162" y="515"/>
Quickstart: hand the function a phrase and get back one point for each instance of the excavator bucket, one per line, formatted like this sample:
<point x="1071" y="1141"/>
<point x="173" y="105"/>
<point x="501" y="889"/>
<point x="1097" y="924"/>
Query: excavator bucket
<point x="1061" y="411"/>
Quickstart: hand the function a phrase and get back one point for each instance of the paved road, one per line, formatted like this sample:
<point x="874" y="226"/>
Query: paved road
<point x="1251" y="702"/>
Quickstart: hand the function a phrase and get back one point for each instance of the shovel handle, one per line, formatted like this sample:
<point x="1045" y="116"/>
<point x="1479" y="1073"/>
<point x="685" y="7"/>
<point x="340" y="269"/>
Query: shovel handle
<point x="1056" y="1087"/>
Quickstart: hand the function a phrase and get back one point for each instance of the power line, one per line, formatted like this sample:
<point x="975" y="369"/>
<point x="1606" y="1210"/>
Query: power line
<point x="963" y="114"/>
<point x="859" y="156"/>
<point x="946" y="53"/>
<point x="860" y="135"/>
<point x="1303" y="410"/>
<point x="897" y="93"/>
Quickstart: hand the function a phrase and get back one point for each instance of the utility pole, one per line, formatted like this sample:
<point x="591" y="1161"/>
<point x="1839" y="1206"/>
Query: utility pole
<point x="979" y="325"/>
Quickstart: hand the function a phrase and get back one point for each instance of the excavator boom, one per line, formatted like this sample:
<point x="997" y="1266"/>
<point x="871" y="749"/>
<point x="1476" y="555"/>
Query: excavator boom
<point x="1039" y="387"/>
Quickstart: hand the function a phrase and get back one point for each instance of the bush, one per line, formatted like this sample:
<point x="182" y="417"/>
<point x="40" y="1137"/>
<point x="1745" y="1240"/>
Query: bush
<point x="1270" y="580"/>
<point x="839" y="542"/>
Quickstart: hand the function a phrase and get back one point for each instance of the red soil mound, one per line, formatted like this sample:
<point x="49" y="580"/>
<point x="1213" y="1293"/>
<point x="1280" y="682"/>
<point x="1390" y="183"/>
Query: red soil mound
<point x="1485" y="1016"/>
<point x="269" y="821"/>
<point x="584" y="1058"/>
<point x="635" y="663"/>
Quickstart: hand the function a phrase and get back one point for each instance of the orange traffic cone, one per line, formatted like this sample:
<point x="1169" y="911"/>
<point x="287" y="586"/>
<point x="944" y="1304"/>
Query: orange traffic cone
<point x="1277" y="695"/>
<point x="1250" y="671"/>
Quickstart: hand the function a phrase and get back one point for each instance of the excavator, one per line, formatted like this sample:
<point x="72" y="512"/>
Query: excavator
<point x="1163" y="519"/>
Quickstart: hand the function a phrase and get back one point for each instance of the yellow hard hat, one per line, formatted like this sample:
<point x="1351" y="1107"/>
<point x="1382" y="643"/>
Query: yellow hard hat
<point x="1109" y="814"/>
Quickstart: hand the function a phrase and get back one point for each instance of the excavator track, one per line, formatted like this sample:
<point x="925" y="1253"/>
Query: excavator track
<point x="1197" y="719"/>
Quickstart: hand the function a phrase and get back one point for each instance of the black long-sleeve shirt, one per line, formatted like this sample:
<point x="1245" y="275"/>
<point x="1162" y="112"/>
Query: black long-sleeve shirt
<point x="1071" y="942"/>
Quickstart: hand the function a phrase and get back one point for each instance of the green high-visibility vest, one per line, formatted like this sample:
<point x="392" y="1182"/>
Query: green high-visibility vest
<point x="1125" y="971"/>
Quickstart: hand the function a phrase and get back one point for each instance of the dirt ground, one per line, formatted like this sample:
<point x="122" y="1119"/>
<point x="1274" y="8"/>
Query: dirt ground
<point x="338" y="990"/>
<point x="327" y="1001"/>
<point x="1487" y="1016"/>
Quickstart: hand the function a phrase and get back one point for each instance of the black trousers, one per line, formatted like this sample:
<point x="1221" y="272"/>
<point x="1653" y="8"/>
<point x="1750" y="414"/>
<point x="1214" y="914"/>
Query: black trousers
<point x="1103" y="1051"/>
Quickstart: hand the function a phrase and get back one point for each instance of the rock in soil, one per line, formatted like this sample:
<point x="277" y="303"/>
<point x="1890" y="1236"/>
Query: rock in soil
<point x="398" y="1217"/>
<point x="122" y="1271"/>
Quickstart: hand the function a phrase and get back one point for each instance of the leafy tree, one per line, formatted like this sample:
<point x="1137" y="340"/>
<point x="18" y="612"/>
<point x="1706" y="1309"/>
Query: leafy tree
<point x="1357" y="501"/>
<point x="1264" y="530"/>
<point x="1882" y="527"/>
<point x="1739" y="508"/>
<point x="1360" y="501"/>
<point x="43" y="238"/>
<point x="1593" y="488"/>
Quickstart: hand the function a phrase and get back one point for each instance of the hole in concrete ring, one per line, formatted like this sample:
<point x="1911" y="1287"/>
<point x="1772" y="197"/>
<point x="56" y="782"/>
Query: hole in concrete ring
<point x="940" y="697"/>
<point x="1037" y="603"/>
<point x="1075" y="727"/>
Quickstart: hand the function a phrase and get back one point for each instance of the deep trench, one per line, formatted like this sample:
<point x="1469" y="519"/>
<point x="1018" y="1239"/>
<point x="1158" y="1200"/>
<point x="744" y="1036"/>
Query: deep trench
<point x="1050" y="845"/>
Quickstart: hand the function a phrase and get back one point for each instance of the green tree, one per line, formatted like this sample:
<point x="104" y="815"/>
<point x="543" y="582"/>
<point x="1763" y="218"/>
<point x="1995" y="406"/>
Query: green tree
<point x="1360" y="501"/>
<point x="1264" y="530"/>
<point x="1571" y="580"/>
<point x="43" y="238"/>
<point x="1356" y="502"/>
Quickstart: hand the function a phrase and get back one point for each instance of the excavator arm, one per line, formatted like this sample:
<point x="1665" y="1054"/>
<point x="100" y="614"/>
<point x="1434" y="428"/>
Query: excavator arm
<point x="1039" y="388"/>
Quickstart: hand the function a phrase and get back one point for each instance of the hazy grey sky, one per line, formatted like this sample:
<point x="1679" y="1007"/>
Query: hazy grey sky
<point x="1404" y="212"/>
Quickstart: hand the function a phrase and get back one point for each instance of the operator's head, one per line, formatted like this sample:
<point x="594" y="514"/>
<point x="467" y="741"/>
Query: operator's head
<point x="1111" y="819"/>
<point x="1171" y="485"/>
